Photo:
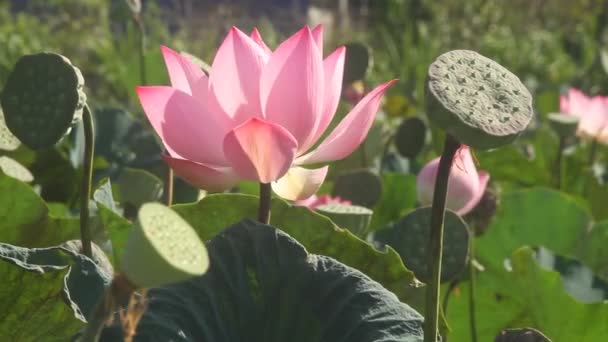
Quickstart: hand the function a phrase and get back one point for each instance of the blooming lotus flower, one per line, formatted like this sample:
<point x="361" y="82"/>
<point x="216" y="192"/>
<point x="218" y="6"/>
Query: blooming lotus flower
<point x="258" y="113"/>
<point x="465" y="185"/>
<point x="591" y="111"/>
<point x="316" y="201"/>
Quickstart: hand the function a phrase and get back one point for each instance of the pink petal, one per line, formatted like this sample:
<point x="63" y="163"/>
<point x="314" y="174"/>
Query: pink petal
<point x="182" y="72"/>
<point x="260" y="150"/>
<point x="292" y="85"/>
<point x="484" y="177"/>
<point x="299" y="183"/>
<point x="202" y="176"/>
<point x="465" y="185"/>
<point x="333" y="67"/>
<point x="257" y="37"/>
<point x="594" y="117"/>
<point x="317" y="35"/>
<point x="186" y="128"/>
<point x="235" y="76"/>
<point x="351" y="131"/>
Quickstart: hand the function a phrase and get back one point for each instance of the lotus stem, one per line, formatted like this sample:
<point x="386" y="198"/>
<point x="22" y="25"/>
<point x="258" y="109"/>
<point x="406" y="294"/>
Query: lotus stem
<point x="264" y="207"/>
<point x="472" y="320"/>
<point x="450" y="147"/>
<point x="139" y="23"/>
<point x="87" y="179"/>
<point x="168" y="192"/>
<point x="592" y="153"/>
<point x="558" y="162"/>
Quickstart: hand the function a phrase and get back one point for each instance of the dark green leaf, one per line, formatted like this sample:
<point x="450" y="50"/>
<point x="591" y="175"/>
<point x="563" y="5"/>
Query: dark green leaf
<point x="317" y="233"/>
<point x="46" y="292"/>
<point x="264" y="286"/>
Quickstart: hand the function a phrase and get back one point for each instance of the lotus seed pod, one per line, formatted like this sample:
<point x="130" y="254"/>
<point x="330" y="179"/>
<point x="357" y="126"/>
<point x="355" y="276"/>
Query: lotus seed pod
<point x="352" y="217"/>
<point x="357" y="61"/>
<point x="521" y="335"/>
<point x="410" y="238"/>
<point x="42" y="98"/>
<point x="8" y="141"/>
<point x="476" y="100"/>
<point x="361" y="187"/>
<point x="410" y="137"/>
<point x="162" y="248"/>
<point x="12" y="168"/>
<point x="563" y="124"/>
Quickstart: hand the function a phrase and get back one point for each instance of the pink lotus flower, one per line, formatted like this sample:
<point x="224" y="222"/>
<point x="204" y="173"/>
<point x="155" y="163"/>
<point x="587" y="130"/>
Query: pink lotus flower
<point x="315" y="201"/>
<point x="591" y="111"/>
<point x="258" y="114"/>
<point x="465" y="185"/>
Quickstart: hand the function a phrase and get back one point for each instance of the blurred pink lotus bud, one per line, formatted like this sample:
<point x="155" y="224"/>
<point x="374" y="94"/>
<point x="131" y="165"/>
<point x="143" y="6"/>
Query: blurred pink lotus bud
<point x="591" y="111"/>
<point x="258" y="114"/>
<point x="317" y="201"/>
<point x="465" y="185"/>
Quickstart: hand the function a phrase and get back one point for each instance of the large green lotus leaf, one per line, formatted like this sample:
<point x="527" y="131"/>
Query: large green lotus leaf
<point x="535" y="217"/>
<point x="24" y="218"/>
<point x="46" y="292"/>
<point x="318" y="234"/>
<point x="398" y="196"/>
<point x="509" y="164"/>
<point x="528" y="296"/>
<point x="593" y="250"/>
<point x="264" y="286"/>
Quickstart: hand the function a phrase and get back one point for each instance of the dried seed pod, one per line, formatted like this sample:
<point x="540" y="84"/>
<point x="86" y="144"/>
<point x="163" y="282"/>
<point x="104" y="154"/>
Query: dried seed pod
<point x="476" y="100"/>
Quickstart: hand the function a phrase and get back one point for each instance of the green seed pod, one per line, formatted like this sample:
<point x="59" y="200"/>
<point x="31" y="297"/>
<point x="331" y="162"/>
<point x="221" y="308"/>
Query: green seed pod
<point x="410" y="238"/>
<point x="358" y="60"/>
<point x="8" y="141"/>
<point x="564" y="125"/>
<point x="12" y="168"/>
<point x="521" y="335"/>
<point x="42" y="98"/>
<point x="162" y="248"/>
<point x="361" y="187"/>
<point x="351" y="217"/>
<point x="476" y="100"/>
<point x="410" y="137"/>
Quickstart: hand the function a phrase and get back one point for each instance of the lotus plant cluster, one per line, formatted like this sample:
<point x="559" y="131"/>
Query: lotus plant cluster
<point x="337" y="255"/>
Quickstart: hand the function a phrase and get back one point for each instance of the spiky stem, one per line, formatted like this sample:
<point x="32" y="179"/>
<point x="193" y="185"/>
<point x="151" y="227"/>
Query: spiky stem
<point x="264" y="207"/>
<point x="472" y="320"/>
<point x="450" y="147"/>
<point x="87" y="179"/>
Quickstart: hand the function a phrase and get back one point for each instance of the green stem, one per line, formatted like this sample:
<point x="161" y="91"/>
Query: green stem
<point x="472" y="320"/>
<point x="558" y="163"/>
<point x="592" y="154"/>
<point x="168" y="193"/>
<point x="450" y="147"/>
<point x="385" y="151"/>
<point x="264" y="206"/>
<point x="87" y="179"/>
<point x="363" y="154"/>
<point x="139" y="23"/>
